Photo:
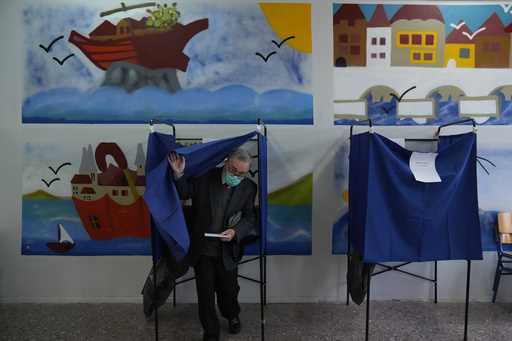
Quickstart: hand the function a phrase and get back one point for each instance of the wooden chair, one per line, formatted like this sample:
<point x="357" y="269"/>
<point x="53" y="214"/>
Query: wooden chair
<point x="503" y="237"/>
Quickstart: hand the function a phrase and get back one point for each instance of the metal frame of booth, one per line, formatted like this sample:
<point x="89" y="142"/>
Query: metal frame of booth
<point x="388" y="268"/>
<point x="262" y="257"/>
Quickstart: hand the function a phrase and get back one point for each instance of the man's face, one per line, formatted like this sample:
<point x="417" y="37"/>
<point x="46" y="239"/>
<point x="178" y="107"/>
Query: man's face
<point x="238" y="167"/>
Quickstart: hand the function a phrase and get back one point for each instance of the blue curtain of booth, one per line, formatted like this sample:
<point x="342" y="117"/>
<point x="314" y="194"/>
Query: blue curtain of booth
<point x="393" y="217"/>
<point x="161" y="195"/>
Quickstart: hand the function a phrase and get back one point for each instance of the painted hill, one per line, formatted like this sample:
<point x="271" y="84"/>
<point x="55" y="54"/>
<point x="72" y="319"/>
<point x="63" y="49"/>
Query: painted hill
<point x="298" y="193"/>
<point x="42" y="195"/>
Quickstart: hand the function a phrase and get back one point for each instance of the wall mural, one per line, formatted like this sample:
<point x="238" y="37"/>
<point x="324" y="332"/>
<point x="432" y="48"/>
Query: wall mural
<point x="423" y="60"/>
<point x="86" y="199"/>
<point x="201" y="62"/>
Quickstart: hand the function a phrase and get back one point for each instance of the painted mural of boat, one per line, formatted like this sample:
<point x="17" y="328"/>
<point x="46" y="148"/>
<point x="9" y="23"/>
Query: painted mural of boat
<point x="110" y="202"/>
<point x="133" y="41"/>
<point x="64" y="243"/>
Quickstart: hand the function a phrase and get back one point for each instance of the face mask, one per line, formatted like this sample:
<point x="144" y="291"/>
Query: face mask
<point x="231" y="180"/>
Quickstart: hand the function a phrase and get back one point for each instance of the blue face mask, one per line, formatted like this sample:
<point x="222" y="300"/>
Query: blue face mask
<point x="231" y="180"/>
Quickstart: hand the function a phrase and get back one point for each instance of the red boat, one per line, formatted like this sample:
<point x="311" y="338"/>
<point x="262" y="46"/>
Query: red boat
<point x="133" y="42"/>
<point x="110" y="202"/>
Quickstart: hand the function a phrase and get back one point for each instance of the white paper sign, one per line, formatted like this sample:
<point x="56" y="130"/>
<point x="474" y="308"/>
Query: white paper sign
<point x="214" y="235"/>
<point x="423" y="167"/>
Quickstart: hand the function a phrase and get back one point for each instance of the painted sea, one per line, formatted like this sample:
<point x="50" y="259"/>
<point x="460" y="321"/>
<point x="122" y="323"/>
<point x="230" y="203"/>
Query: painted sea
<point x="234" y="104"/>
<point x="289" y="231"/>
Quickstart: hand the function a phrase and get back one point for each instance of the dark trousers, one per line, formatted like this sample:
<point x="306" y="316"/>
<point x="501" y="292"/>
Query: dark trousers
<point x="211" y="279"/>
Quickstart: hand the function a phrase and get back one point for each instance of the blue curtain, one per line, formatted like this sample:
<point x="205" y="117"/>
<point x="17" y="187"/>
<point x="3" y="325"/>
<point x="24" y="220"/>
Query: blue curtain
<point x="161" y="196"/>
<point x="393" y="217"/>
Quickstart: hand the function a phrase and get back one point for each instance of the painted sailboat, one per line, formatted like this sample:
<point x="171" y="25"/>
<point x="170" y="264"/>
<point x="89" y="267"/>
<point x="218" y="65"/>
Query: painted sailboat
<point x="64" y="243"/>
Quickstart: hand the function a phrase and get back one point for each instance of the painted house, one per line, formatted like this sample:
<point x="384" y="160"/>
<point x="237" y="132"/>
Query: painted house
<point x="122" y="186"/>
<point x="378" y="39"/>
<point x="492" y="44"/>
<point x="459" y="50"/>
<point x="418" y="33"/>
<point x="349" y="26"/>
<point x="508" y="30"/>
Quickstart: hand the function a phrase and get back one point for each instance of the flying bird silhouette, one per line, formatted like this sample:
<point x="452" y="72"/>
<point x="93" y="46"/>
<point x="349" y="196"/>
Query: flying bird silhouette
<point x="457" y="27"/>
<point x="58" y="168"/>
<point x="283" y="41"/>
<point x="48" y="184"/>
<point x="403" y="94"/>
<point x="471" y="36"/>
<point x="267" y="57"/>
<point x="64" y="60"/>
<point x="47" y="49"/>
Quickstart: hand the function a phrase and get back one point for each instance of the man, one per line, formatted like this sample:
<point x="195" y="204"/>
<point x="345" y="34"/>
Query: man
<point x="222" y="203"/>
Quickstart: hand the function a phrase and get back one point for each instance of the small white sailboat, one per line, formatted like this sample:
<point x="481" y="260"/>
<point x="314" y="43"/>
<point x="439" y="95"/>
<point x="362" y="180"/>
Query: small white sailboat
<point x="65" y="242"/>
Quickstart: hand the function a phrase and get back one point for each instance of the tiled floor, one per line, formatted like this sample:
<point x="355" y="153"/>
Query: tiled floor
<point x="390" y="320"/>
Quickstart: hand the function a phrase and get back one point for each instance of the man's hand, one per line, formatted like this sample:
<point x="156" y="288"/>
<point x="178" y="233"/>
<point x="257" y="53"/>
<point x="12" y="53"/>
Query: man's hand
<point x="229" y="234"/>
<point x="177" y="163"/>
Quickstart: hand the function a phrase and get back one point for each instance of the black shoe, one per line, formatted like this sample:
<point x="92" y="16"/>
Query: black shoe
<point x="210" y="338"/>
<point x="234" y="325"/>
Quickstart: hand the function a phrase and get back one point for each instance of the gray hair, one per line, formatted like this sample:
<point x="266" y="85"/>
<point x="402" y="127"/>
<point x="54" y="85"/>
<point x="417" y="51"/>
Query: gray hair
<point x="240" y="154"/>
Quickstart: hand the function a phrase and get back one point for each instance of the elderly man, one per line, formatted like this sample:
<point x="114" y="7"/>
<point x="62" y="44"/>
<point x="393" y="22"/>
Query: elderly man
<point x="223" y="204"/>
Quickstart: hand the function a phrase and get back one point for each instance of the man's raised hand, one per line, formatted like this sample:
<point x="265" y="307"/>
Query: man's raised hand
<point x="177" y="163"/>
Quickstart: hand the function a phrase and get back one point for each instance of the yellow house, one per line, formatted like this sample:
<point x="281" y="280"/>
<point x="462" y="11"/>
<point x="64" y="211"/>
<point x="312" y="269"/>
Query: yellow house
<point x="418" y="33"/>
<point x="459" y="49"/>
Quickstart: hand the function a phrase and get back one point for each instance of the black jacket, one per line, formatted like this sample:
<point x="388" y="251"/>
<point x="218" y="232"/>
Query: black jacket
<point x="203" y="191"/>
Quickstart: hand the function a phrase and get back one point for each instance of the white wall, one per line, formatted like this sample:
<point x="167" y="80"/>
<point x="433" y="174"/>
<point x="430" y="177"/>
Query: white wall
<point x="316" y="278"/>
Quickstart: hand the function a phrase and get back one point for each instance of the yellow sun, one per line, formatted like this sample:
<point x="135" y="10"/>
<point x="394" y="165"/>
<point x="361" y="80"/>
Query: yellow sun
<point x="290" y="19"/>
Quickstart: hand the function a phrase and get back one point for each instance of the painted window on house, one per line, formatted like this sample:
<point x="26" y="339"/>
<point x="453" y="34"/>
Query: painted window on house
<point x="355" y="50"/>
<point x="464" y="53"/>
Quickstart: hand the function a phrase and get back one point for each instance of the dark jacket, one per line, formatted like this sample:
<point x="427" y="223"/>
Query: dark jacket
<point x="203" y="191"/>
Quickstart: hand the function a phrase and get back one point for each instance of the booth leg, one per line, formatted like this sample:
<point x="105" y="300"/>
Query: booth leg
<point x="367" y="334"/>
<point x="468" y="279"/>
<point x="262" y="297"/>
<point x="265" y="280"/>
<point x="348" y="266"/>
<point x="435" y="282"/>
<point x="348" y="263"/>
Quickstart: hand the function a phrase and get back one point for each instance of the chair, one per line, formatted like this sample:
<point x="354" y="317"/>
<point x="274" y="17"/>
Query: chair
<point x="503" y="237"/>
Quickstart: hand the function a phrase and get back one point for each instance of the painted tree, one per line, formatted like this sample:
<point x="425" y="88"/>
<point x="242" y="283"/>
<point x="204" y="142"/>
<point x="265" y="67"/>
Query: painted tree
<point x="164" y="17"/>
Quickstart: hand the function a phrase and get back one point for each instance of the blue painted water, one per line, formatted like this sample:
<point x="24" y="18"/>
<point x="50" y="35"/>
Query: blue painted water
<point x="289" y="231"/>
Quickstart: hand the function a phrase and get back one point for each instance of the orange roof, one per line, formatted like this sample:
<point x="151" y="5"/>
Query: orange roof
<point x="113" y="176"/>
<point x="348" y="12"/>
<point x="106" y="28"/>
<point x="422" y="12"/>
<point x="493" y="27"/>
<point x="81" y="179"/>
<point x="379" y="18"/>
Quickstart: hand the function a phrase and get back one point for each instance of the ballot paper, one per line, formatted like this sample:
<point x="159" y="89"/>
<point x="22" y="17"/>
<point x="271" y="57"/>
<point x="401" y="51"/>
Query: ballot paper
<point x="423" y="167"/>
<point x="214" y="235"/>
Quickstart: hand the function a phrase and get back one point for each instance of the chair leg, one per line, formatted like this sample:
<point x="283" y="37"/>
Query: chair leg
<point x="496" y="285"/>
<point x="496" y="277"/>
